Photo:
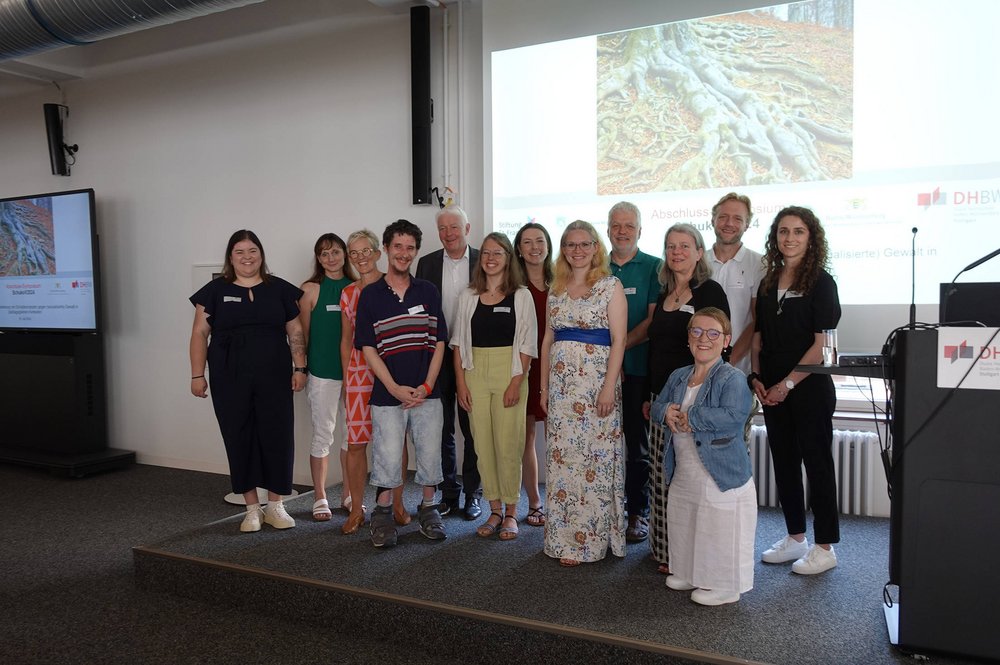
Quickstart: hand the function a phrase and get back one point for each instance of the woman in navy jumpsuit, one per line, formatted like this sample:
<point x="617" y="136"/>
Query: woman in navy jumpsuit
<point x="250" y="316"/>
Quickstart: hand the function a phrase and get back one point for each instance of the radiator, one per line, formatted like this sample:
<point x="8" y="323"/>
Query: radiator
<point x="861" y="484"/>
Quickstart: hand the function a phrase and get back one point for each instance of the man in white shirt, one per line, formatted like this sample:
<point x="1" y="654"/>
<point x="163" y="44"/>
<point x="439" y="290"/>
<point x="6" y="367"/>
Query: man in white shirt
<point x="450" y="269"/>
<point x="738" y="269"/>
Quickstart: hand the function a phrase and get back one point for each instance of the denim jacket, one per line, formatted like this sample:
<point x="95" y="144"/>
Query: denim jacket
<point x="717" y="418"/>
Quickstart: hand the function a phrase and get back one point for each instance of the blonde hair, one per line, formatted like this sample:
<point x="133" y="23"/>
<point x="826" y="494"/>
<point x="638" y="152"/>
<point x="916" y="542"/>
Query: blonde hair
<point x="598" y="263"/>
<point x="366" y="235"/>
<point x="713" y="313"/>
<point x="702" y="271"/>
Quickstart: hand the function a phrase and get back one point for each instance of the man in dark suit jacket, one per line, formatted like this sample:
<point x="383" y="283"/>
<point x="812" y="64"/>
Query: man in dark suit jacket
<point x="450" y="269"/>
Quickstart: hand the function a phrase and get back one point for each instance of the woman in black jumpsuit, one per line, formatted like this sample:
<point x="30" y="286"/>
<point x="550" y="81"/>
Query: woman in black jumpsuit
<point x="251" y="317"/>
<point x="797" y="301"/>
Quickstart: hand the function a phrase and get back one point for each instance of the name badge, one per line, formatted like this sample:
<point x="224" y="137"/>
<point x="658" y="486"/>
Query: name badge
<point x="416" y="309"/>
<point x="232" y="299"/>
<point x="792" y="294"/>
<point x="501" y="310"/>
<point x="630" y="291"/>
<point x="333" y="308"/>
<point x="687" y="308"/>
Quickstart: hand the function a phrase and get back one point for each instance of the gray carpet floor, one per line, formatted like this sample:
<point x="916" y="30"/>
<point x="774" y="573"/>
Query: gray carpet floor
<point x="69" y="593"/>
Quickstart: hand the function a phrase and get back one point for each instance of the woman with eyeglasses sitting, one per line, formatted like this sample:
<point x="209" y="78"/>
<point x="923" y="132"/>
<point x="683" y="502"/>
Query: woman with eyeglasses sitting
<point x="712" y="511"/>
<point x="582" y="355"/>
<point x="687" y="287"/>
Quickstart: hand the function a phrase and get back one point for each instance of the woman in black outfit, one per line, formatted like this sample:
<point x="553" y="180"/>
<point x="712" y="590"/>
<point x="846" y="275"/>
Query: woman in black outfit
<point x="246" y="328"/>
<point x="687" y="287"/>
<point x="796" y="303"/>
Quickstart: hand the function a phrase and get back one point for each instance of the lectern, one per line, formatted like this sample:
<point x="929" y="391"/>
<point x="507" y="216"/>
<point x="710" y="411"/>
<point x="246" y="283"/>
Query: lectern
<point x="944" y="547"/>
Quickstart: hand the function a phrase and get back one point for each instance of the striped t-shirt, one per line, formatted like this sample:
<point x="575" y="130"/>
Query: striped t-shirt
<point x="404" y="333"/>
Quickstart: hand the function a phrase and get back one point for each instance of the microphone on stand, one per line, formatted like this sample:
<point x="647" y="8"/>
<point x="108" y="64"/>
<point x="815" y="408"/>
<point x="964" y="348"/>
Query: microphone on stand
<point x="951" y="287"/>
<point x="913" y="280"/>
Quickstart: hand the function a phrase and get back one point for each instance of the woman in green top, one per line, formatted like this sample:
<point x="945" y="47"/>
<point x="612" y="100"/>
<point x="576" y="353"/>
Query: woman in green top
<point x="319" y="312"/>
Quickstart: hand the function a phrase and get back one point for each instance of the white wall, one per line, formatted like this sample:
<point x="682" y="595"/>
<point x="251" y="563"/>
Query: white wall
<point x="293" y="139"/>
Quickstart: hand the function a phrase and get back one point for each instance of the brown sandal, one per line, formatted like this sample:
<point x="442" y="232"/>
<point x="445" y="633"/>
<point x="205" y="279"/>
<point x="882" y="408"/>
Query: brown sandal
<point x="569" y="563"/>
<point x="401" y="517"/>
<point x="353" y="523"/>
<point x="488" y="528"/>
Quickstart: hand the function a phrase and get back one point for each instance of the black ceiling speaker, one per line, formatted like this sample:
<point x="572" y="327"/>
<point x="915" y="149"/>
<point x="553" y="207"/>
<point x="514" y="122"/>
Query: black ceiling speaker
<point x="421" y="110"/>
<point x="55" y="118"/>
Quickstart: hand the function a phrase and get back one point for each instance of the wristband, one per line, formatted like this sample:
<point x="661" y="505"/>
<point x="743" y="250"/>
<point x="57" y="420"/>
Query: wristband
<point x="426" y="388"/>
<point x="750" y="379"/>
<point x="300" y="369"/>
<point x="200" y="376"/>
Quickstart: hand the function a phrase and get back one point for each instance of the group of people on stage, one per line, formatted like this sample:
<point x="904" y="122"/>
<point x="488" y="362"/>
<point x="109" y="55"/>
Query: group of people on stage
<point x="646" y="372"/>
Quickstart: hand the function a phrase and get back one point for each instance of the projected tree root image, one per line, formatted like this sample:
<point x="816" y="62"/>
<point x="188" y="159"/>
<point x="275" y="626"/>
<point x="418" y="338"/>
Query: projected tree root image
<point x="26" y="240"/>
<point x="743" y="99"/>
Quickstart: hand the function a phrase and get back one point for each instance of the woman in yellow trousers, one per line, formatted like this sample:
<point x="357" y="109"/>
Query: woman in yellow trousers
<point x="495" y="337"/>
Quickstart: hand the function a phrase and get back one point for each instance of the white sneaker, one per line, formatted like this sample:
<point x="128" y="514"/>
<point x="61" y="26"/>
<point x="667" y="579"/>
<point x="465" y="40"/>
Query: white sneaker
<point x="818" y="560"/>
<point x="714" y="597"/>
<point x="677" y="584"/>
<point x="276" y="516"/>
<point x="785" y="550"/>
<point x="251" y="522"/>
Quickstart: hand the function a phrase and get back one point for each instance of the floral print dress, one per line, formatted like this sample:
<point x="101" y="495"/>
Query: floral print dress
<point x="585" y="455"/>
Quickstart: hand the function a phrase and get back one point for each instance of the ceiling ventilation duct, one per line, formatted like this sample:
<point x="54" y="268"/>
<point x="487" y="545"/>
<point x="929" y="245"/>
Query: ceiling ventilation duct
<point x="32" y="26"/>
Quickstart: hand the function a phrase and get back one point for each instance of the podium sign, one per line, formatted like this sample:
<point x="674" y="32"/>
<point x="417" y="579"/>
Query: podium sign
<point x="968" y="358"/>
<point x="945" y="514"/>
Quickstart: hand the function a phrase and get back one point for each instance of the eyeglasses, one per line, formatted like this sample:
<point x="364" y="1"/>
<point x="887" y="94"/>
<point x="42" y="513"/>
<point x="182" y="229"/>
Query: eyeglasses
<point x="578" y="245"/>
<point x="492" y="253"/>
<point x="366" y="252"/>
<point x="712" y="333"/>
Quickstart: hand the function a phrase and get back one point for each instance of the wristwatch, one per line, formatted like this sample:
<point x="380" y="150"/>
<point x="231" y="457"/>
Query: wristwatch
<point x="300" y="369"/>
<point x="789" y="384"/>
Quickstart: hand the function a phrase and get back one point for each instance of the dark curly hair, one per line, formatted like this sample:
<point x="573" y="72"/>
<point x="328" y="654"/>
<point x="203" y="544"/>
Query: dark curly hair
<point x="813" y="263"/>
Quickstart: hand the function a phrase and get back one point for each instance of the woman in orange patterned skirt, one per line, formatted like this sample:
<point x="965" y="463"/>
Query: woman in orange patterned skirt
<point x="364" y="254"/>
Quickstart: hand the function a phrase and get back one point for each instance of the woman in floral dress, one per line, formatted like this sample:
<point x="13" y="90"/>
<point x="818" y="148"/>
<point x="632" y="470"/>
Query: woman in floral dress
<point x="581" y="365"/>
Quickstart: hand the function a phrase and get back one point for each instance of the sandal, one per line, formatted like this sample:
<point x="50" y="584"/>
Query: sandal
<point x="321" y="510"/>
<point x="400" y="515"/>
<point x="488" y="528"/>
<point x="353" y="523"/>
<point x="569" y="563"/>
<point x="508" y="533"/>
<point x="663" y="569"/>
<point x="536" y="517"/>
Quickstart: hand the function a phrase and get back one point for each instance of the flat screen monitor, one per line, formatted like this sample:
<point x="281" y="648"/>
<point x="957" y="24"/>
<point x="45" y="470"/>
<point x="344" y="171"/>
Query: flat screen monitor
<point x="49" y="277"/>
<point x="971" y="301"/>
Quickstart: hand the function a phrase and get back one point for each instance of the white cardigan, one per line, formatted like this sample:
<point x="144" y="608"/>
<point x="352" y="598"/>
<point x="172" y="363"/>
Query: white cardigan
<point x="525" y="328"/>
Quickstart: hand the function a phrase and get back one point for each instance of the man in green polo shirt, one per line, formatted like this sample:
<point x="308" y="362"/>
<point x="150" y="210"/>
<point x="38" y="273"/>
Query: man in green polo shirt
<point x="638" y="273"/>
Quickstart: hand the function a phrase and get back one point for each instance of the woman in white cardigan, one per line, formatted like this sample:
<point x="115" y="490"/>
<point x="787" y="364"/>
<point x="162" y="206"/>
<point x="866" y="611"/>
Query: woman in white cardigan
<point x="495" y="337"/>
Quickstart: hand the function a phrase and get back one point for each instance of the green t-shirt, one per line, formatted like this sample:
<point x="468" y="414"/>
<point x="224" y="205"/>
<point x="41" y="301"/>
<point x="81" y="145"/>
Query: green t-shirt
<point x="640" y="279"/>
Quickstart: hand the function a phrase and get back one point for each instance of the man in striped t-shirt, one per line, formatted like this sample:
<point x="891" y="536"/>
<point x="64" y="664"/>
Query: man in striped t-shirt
<point x="403" y="334"/>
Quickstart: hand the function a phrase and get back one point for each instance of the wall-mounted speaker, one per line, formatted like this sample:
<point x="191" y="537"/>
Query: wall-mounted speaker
<point x="421" y="105"/>
<point x="55" y="118"/>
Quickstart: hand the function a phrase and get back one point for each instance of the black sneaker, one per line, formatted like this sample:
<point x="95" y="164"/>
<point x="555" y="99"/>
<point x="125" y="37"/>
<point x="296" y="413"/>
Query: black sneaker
<point x="431" y="524"/>
<point x="447" y="505"/>
<point x="383" y="529"/>
<point x="472" y="508"/>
